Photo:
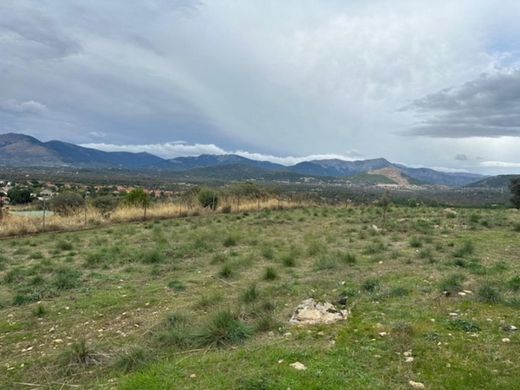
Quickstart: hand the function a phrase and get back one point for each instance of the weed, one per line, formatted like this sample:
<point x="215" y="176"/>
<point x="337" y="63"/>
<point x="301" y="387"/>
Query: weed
<point x="226" y="271"/>
<point x="464" y="325"/>
<point x="370" y="285"/>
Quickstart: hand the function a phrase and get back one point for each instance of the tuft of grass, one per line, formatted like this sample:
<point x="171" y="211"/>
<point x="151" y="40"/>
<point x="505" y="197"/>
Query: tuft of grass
<point x="63" y="245"/>
<point x="152" y="256"/>
<point x="66" y="278"/>
<point x="268" y="253"/>
<point x="223" y="329"/>
<point x="132" y="360"/>
<point x="176" y="285"/>
<point x="452" y="284"/>
<point x="347" y="258"/>
<point x="79" y="354"/>
<point x="514" y="283"/>
<point x="516" y="227"/>
<point x="289" y="259"/>
<point x="371" y="285"/>
<point x="251" y="294"/>
<point x="270" y="273"/>
<point x="488" y="294"/>
<point x="468" y="248"/>
<point x="230" y="241"/>
<point x="226" y="271"/>
<point x="415" y="242"/>
<point x="326" y="262"/>
<point x="39" y="311"/>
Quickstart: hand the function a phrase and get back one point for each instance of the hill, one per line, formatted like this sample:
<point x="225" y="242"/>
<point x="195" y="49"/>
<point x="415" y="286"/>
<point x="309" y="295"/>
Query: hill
<point x="23" y="150"/>
<point x="500" y="181"/>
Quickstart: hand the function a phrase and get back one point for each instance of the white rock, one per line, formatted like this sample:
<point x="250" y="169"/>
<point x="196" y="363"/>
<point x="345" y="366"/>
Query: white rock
<point x="506" y="340"/>
<point x="408" y="353"/>
<point x="409" y="359"/>
<point x="310" y="312"/>
<point x="298" y="366"/>
<point x="416" y="385"/>
<point x="193" y="376"/>
<point x="383" y="334"/>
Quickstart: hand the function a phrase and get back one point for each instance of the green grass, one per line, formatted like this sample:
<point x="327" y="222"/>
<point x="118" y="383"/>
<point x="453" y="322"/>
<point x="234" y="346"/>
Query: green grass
<point x="205" y="302"/>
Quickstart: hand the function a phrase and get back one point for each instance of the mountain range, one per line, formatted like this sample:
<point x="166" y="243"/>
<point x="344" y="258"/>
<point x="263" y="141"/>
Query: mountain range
<point x="20" y="150"/>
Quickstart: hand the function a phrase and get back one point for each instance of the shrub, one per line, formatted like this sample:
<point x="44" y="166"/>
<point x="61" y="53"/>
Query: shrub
<point x="208" y="199"/>
<point x="105" y="203"/>
<point x="66" y="203"/>
<point x="225" y="328"/>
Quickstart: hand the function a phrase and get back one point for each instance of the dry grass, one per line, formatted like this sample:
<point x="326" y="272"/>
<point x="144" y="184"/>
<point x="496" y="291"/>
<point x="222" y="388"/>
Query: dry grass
<point x="12" y="225"/>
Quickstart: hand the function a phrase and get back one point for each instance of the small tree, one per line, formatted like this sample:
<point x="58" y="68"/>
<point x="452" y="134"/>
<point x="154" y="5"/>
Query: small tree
<point x="138" y="198"/>
<point x="19" y="196"/>
<point x="66" y="203"/>
<point x="514" y="186"/>
<point x="384" y="202"/>
<point x="208" y="199"/>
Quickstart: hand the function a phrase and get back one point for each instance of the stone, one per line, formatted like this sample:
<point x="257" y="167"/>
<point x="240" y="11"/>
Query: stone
<point x="416" y="385"/>
<point x="310" y="312"/>
<point x="298" y="366"/>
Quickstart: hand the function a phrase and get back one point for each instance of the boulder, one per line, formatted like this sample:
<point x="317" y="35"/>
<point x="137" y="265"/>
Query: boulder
<point x="310" y="312"/>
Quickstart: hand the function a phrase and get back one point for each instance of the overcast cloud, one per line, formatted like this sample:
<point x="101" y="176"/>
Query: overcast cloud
<point x="269" y="78"/>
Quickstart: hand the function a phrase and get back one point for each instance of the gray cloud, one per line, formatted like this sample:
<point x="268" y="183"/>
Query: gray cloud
<point x="461" y="157"/>
<point x="488" y="106"/>
<point x="291" y="78"/>
<point x="29" y="107"/>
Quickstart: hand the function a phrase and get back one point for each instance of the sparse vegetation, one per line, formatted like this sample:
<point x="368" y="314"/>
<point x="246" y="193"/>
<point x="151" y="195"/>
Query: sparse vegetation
<point x="232" y="282"/>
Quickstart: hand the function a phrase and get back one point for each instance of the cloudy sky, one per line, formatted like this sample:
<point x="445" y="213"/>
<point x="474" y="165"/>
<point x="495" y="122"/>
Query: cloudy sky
<point x="419" y="82"/>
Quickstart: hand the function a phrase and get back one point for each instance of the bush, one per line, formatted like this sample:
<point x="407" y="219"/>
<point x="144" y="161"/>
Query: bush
<point x="514" y="283"/>
<point x="19" y="196"/>
<point x="105" y="204"/>
<point x="208" y="199"/>
<point x="66" y="203"/>
<point x="66" y="278"/>
<point x="226" y="271"/>
<point x="370" y="285"/>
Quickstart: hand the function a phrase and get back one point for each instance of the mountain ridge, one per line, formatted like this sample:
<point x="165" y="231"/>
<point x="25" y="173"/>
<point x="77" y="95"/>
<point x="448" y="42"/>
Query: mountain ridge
<point x="20" y="150"/>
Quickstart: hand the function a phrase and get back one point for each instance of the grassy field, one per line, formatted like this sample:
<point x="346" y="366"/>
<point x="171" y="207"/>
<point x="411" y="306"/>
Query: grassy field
<point x="204" y="302"/>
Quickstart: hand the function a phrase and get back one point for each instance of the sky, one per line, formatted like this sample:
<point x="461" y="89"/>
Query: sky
<point x="418" y="82"/>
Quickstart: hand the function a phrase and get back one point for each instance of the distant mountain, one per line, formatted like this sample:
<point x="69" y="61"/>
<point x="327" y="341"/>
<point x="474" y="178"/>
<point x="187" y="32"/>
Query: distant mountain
<point x="19" y="150"/>
<point x="339" y="168"/>
<point x="23" y="150"/>
<point x="211" y="160"/>
<point x="430" y="176"/>
<point x="500" y="181"/>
